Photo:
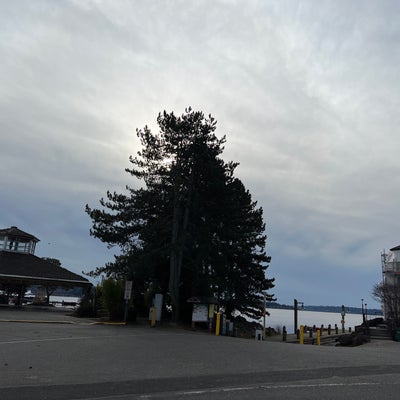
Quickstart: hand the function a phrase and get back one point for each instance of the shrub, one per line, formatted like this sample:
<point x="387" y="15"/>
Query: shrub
<point x="113" y="298"/>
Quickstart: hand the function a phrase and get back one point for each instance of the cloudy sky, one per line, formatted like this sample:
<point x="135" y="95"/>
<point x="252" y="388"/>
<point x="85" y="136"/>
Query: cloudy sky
<point x="307" y="93"/>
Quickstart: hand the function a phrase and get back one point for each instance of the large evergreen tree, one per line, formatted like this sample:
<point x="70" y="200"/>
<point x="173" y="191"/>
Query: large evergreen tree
<point x="192" y="228"/>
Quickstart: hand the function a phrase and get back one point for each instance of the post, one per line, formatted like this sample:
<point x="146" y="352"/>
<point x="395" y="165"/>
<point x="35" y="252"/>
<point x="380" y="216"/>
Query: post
<point x="295" y="315"/>
<point x="153" y="316"/>
<point x="217" y="323"/>
<point x="126" y="310"/>
<point x="362" y="310"/>
<point x="301" y="334"/>
<point x="284" y="334"/>
<point x="127" y="297"/>
<point x="318" y="337"/>
<point x="343" y="314"/>
<point x="264" y="313"/>
<point x="210" y="316"/>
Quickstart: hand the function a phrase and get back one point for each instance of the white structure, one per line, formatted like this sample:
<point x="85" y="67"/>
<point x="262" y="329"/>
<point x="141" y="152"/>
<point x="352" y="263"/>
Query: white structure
<point x="391" y="266"/>
<point x="391" y="277"/>
<point x="15" y="240"/>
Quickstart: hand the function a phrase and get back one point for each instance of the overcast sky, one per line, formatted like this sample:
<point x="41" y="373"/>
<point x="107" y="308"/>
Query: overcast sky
<point x="307" y="93"/>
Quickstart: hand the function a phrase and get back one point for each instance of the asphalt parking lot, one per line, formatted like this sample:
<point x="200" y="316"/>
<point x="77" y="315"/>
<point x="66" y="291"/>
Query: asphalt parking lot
<point x="50" y="355"/>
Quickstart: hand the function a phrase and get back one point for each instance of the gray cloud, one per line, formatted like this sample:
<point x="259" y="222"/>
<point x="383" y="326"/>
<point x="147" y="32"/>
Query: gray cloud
<point x="306" y="93"/>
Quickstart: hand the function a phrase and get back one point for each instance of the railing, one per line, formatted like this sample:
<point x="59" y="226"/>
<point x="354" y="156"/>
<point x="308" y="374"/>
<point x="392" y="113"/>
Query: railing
<point x="392" y="266"/>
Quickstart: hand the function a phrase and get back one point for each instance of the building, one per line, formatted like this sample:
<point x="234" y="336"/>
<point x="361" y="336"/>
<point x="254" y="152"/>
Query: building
<point x="391" y="266"/>
<point x="20" y="268"/>
<point x="391" y="283"/>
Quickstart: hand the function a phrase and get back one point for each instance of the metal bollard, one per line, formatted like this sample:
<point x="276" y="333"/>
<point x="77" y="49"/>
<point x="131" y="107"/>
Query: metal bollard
<point x="301" y="337"/>
<point x="284" y="334"/>
<point x="153" y="317"/>
<point x="329" y="329"/>
<point x="217" y="324"/>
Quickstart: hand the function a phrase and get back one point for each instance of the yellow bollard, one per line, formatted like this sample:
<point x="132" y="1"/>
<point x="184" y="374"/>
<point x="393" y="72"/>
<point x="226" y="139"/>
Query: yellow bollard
<point x="153" y="316"/>
<point x="301" y="334"/>
<point x="318" y="337"/>
<point x="217" y="323"/>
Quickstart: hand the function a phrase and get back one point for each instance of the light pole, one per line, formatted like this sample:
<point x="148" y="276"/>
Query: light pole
<point x="343" y="315"/>
<point x="362" y="309"/>
<point x="296" y="309"/>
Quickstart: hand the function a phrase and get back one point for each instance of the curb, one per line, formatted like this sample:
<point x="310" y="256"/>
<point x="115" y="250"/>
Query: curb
<point x="39" y="321"/>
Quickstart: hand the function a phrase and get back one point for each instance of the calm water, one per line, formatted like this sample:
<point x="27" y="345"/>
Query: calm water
<point x="280" y="318"/>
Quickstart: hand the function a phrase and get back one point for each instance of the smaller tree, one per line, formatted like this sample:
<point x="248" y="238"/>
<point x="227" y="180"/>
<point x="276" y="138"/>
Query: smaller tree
<point x="388" y="294"/>
<point x="113" y="298"/>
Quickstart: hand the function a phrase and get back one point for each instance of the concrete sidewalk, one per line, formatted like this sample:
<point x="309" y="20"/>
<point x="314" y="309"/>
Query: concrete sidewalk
<point x="39" y="314"/>
<point x="87" y="361"/>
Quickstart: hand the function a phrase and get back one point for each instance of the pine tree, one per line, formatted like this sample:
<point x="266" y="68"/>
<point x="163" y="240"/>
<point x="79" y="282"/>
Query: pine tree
<point x="192" y="228"/>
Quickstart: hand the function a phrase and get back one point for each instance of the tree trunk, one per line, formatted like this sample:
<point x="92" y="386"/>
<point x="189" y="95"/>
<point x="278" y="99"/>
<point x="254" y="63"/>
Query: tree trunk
<point x="179" y="230"/>
<point x="173" y="268"/>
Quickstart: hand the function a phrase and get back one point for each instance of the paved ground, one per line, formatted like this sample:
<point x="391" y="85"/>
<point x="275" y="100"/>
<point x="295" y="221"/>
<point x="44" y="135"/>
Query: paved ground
<point x="67" y="358"/>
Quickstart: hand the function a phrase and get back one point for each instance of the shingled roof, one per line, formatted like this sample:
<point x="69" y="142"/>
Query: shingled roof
<point x="30" y="269"/>
<point x="14" y="231"/>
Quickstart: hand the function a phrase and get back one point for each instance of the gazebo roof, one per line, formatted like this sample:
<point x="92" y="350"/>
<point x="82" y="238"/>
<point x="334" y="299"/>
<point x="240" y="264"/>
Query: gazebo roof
<point x="395" y="248"/>
<point x="14" y="231"/>
<point x="32" y="270"/>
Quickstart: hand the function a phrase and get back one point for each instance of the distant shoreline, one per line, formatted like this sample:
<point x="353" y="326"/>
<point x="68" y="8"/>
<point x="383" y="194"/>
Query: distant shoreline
<point x="333" y="309"/>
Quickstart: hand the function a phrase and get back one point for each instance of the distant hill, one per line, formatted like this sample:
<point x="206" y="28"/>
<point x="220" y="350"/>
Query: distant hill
<point x="332" y="309"/>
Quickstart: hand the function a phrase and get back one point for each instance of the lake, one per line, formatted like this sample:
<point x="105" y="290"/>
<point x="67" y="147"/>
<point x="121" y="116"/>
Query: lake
<point x="279" y="318"/>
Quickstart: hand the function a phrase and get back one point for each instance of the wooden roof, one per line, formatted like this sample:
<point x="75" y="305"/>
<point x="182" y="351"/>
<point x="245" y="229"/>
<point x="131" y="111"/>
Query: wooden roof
<point x="32" y="270"/>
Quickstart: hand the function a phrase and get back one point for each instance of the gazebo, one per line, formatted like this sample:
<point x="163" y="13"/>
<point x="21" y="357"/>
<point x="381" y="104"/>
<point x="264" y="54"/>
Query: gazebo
<point x="20" y="268"/>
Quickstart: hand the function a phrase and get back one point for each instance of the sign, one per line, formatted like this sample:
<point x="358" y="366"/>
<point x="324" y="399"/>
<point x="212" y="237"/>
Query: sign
<point x="211" y="311"/>
<point x="200" y="313"/>
<point x="128" y="290"/>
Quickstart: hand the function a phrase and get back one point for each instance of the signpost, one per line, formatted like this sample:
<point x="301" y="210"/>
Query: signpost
<point x="127" y="297"/>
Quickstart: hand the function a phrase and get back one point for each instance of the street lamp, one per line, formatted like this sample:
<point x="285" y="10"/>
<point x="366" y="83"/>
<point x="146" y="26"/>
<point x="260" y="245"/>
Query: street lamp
<point x="343" y="315"/>
<point x="362" y="309"/>
<point x="296" y="309"/>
